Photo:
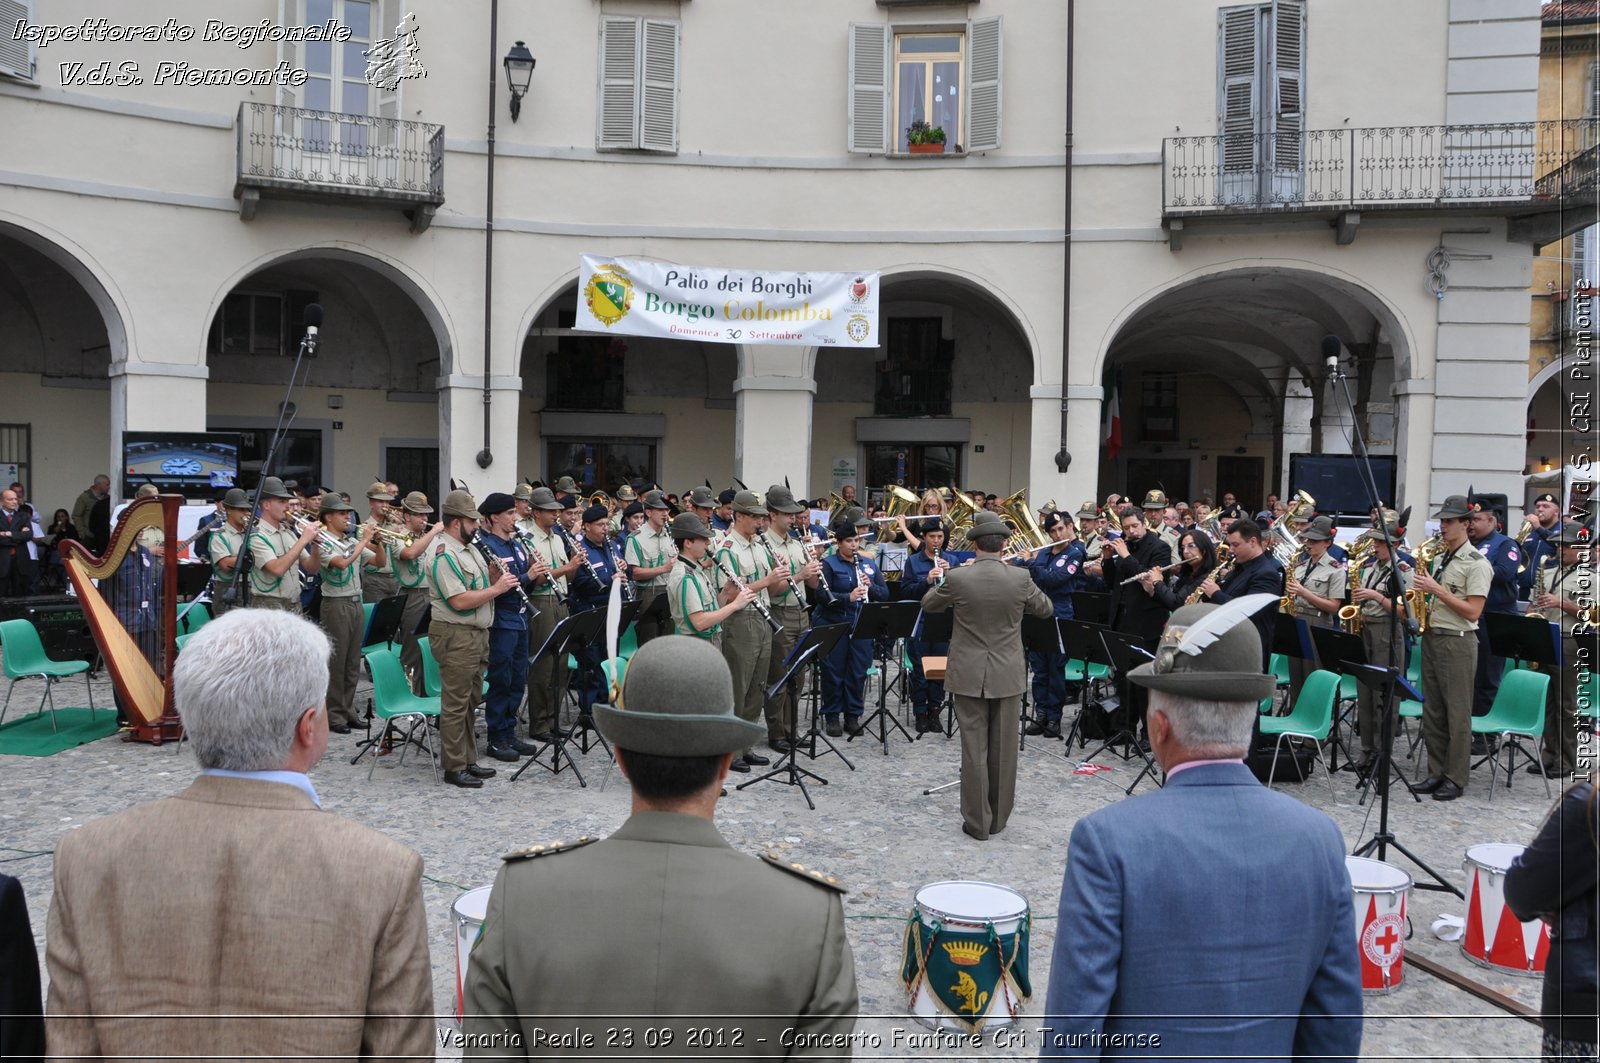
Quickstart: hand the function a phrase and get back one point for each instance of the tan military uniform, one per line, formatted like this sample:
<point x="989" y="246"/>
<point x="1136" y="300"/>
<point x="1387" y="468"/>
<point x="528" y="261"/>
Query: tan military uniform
<point x="273" y="592"/>
<point x="547" y="672"/>
<point x="1325" y="578"/>
<point x="650" y="549"/>
<point x="1449" y="665"/>
<point x="344" y="622"/>
<point x="1376" y="640"/>
<point x="411" y="581"/>
<point x="746" y="639"/>
<point x="669" y="898"/>
<point x="223" y="545"/>
<point x="460" y="643"/>
<point x="1571" y="583"/>
<point x="379" y="581"/>
<point x="689" y="590"/>
<point x="788" y="609"/>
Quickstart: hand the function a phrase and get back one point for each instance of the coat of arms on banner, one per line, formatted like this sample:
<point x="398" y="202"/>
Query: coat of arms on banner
<point x="609" y="295"/>
<point x="859" y="290"/>
<point x="858" y="328"/>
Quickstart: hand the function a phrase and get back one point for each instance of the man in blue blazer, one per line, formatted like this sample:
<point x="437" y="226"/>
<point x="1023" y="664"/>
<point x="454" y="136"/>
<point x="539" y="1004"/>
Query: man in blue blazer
<point x="1211" y="919"/>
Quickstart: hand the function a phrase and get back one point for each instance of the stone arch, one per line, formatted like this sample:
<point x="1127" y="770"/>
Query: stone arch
<point x="82" y="268"/>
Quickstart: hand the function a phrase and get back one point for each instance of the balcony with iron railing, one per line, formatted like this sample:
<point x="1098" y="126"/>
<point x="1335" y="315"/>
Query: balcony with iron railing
<point x="293" y="152"/>
<point x="1538" y="174"/>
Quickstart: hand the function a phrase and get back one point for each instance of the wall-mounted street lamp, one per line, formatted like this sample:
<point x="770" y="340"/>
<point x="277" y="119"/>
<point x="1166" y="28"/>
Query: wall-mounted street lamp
<point x="519" y="73"/>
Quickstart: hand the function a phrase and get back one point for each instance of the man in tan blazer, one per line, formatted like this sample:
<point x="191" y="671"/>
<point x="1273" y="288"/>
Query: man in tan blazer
<point x="301" y="932"/>
<point x="987" y="672"/>
<point x="668" y="941"/>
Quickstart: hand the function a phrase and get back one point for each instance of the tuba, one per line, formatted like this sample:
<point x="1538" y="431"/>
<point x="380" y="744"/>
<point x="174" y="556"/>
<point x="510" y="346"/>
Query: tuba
<point x="1028" y="536"/>
<point x="1286" y="545"/>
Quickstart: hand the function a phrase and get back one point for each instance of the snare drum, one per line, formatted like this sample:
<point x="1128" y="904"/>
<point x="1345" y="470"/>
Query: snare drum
<point x="1380" y="903"/>
<point x="468" y="911"/>
<point x="965" y="965"/>
<point x="1494" y="937"/>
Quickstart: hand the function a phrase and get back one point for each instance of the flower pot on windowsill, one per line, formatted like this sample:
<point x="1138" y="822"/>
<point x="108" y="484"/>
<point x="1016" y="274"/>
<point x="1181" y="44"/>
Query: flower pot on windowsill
<point x="926" y="149"/>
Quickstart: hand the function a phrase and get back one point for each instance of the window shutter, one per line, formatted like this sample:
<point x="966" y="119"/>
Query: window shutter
<point x="1236" y="88"/>
<point x="983" y="84"/>
<point x="1288" y="82"/>
<point x="869" y="88"/>
<point x="658" y="112"/>
<point x="16" y="57"/>
<point x="619" y="84"/>
<point x="291" y="13"/>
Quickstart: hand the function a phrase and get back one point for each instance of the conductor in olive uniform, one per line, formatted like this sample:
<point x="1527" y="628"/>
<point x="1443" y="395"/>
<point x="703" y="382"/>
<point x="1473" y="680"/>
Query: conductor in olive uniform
<point x="986" y="674"/>
<point x="664" y="898"/>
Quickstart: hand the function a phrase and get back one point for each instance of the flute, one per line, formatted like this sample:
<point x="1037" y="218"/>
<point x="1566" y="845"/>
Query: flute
<point x="1163" y="570"/>
<point x="497" y="568"/>
<point x="766" y="614"/>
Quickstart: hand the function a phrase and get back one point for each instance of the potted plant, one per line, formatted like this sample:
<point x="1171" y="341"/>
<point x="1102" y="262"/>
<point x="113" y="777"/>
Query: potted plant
<point x="925" y="139"/>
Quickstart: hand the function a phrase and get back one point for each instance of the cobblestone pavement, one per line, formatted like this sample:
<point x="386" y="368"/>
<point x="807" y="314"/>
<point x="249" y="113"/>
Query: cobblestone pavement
<point x="874" y="828"/>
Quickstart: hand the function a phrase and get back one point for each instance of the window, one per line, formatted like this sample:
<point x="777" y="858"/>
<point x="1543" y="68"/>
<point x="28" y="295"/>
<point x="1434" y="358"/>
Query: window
<point x="16" y="458"/>
<point x="257" y="322"/>
<point x="914" y="464"/>
<point x="17" y="58"/>
<point x="585" y="372"/>
<point x="1261" y="101"/>
<point x="638" y="105"/>
<point x="600" y="465"/>
<point x="914" y="377"/>
<point x="946" y="77"/>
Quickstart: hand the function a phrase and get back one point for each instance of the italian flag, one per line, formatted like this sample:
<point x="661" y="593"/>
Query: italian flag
<point x="1113" y="428"/>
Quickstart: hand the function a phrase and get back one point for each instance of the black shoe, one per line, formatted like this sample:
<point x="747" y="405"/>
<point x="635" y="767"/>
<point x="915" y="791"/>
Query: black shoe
<point x="527" y="749"/>
<point x="834" y="730"/>
<point x="853" y="728"/>
<point x="1051" y="730"/>
<point x="1429" y="785"/>
<point x="1035" y="727"/>
<point x="1548" y="773"/>
<point x="922" y="725"/>
<point x="339" y="728"/>
<point x="1483" y="745"/>
<point x="544" y="736"/>
<point x="780" y="746"/>
<point x="465" y="780"/>
<point x="969" y="832"/>
<point x="586" y="721"/>
<point x="756" y="759"/>
<point x="480" y="771"/>
<point x="1447" y="791"/>
<point x="504" y="753"/>
<point x="739" y="766"/>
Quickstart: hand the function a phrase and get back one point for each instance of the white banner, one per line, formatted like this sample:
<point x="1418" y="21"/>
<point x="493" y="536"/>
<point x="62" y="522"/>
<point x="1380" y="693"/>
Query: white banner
<point x="716" y="305"/>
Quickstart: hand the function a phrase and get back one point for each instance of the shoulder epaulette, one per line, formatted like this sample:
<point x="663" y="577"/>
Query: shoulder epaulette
<point x="810" y="874"/>
<point x="549" y="848"/>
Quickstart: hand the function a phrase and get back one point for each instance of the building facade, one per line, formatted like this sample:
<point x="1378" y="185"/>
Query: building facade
<point x="1243" y="181"/>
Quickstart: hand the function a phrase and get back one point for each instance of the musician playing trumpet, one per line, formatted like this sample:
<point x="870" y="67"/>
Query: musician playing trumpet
<point x="378" y="580"/>
<point x="341" y="618"/>
<point x="1255" y="571"/>
<point x="1376" y="602"/>
<point x="1317" y="587"/>
<point x="277" y="555"/>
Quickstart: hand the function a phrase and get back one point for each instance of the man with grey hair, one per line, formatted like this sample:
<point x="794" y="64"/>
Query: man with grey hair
<point x="215" y="921"/>
<point x="1153" y="953"/>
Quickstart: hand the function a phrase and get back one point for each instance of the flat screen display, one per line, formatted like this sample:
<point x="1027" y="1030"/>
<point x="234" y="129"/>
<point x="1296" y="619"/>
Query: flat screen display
<point x="192" y="464"/>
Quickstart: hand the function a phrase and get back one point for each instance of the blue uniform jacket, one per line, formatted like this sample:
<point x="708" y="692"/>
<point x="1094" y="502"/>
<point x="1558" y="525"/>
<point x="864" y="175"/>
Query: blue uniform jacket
<point x="584" y="591"/>
<point x="510" y="611"/>
<point x="914" y="578"/>
<point x="1059" y="575"/>
<point x="1538" y="546"/>
<point x="839" y="577"/>
<point x="1504" y="556"/>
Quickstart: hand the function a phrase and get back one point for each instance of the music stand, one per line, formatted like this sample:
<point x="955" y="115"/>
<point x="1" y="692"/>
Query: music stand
<point x="1081" y="642"/>
<point x="659" y="611"/>
<point x="1335" y="649"/>
<point x="569" y="636"/>
<point x="935" y="629"/>
<point x="1040" y="634"/>
<point x="1530" y="640"/>
<point x="805" y="651"/>
<point x="884" y="623"/>
<point x="383" y="626"/>
<point x="1125" y="652"/>
<point x="825" y="638"/>
<point x="1379" y="679"/>
<point x="1091" y="607"/>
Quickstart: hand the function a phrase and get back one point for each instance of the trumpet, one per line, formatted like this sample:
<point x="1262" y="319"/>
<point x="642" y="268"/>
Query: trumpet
<point x="324" y="536"/>
<point x="394" y="539"/>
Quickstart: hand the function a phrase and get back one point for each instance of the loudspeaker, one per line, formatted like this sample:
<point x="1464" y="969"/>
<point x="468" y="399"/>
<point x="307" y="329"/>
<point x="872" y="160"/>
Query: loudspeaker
<point x="59" y="620"/>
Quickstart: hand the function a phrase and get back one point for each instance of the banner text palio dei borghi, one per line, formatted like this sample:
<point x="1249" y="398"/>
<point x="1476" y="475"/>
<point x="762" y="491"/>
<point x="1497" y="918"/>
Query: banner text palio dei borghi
<point x="716" y="305"/>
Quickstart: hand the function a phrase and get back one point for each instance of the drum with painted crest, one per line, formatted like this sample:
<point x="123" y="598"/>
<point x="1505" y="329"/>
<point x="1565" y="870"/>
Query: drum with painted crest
<point x="1381" y="891"/>
<point x="965" y="964"/>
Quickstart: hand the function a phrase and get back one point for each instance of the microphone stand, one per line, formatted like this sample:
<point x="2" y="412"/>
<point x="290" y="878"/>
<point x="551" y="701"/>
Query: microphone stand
<point x="312" y="321"/>
<point x="1384" y="837"/>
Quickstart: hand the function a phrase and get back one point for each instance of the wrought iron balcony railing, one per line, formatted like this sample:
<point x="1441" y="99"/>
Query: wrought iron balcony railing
<point x="1382" y="167"/>
<point x="327" y="155"/>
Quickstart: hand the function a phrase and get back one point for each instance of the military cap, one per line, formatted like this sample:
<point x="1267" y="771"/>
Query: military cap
<point x="379" y="492"/>
<point x="987" y="523"/>
<point x="543" y="498"/>
<point x="1391" y="521"/>
<point x="750" y="504"/>
<point x="1455" y="507"/>
<point x="678" y="698"/>
<point x="568" y="501"/>
<point x="654" y="500"/>
<point x="330" y="502"/>
<point x="596" y="512"/>
<point x="632" y="509"/>
<point x="856" y="515"/>
<point x="1546" y="497"/>
<point x="1320" y="531"/>
<point x="689" y="526"/>
<point x="726" y="497"/>
<point x="567" y="485"/>
<point x="781" y="500"/>
<point x="626" y="493"/>
<point x="702" y="498"/>
<point x="1051" y="519"/>
<point x="1089" y="511"/>
<point x="523" y="493"/>
<point x="843" y="528"/>
<point x="1573" y="534"/>
<point x="236" y="499"/>
<point x="1228" y="669"/>
<point x="460" y="504"/>
<point x="1155" y="499"/>
<point x="273" y="487"/>
<point x="417" y="502"/>
<point x="496" y="502"/>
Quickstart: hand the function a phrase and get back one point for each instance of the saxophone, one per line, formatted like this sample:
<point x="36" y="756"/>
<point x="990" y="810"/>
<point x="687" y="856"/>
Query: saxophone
<point x="1286" y="604"/>
<point x="1350" y="615"/>
<point x="1421" y="604"/>
<point x="1216" y="577"/>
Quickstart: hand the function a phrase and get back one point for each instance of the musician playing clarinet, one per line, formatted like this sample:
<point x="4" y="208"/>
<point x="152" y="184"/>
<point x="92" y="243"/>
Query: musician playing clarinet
<point x="746" y="639"/>
<point x="1058" y="571"/>
<point x="924" y="569"/>
<point x="508" y="632"/>
<point x="850" y="579"/>
<point x="591" y="589"/>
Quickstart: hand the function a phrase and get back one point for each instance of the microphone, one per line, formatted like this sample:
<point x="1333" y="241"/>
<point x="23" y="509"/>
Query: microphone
<point x="312" y="320"/>
<point x="1330" y="353"/>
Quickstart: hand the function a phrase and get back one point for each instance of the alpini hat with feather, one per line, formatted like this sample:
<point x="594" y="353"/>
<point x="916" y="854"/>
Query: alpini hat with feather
<point x="1211" y="652"/>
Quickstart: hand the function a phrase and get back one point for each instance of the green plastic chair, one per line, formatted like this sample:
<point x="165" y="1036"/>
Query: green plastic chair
<point x="1517" y="712"/>
<point x="430" y="669"/>
<point x="25" y="659"/>
<point x="1312" y="717"/>
<point x="393" y="701"/>
<point x="197" y="617"/>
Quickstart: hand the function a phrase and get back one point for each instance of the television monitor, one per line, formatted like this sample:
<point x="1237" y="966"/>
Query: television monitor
<point x="1337" y="483"/>
<point x="192" y="464"/>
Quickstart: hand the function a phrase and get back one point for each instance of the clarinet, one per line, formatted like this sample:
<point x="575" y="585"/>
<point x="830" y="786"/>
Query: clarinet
<point x="498" y="568"/>
<point x="582" y="555"/>
<point x="527" y="544"/>
<point x="766" y="614"/>
<point x="622" y="567"/>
